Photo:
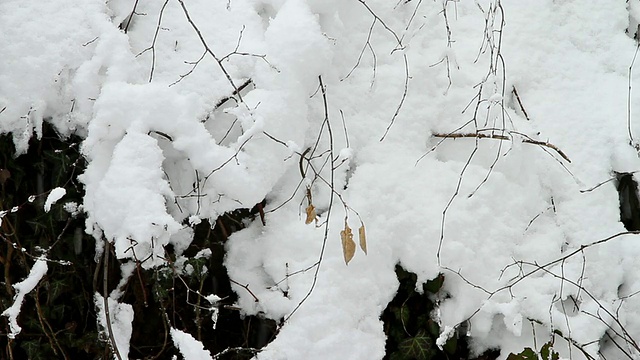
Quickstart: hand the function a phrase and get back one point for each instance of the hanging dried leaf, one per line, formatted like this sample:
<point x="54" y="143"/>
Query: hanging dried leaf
<point x="363" y="238"/>
<point x="4" y="176"/>
<point x="311" y="214"/>
<point x="348" y="245"/>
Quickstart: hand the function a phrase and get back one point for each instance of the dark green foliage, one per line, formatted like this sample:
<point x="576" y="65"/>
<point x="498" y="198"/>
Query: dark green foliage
<point x="52" y="314"/>
<point x="411" y="331"/>
<point x="58" y="318"/>
<point x="526" y="354"/>
<point x="546" y="353"/>
<point x="418" y="347"/>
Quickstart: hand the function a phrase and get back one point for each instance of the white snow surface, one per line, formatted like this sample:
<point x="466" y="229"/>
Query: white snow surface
<point x="165" y="150"/>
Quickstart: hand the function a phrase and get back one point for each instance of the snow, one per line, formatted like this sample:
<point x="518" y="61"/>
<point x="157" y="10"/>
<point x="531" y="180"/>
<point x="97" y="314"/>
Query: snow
<point x="38" y="270"/>
<point x="164" y="154"/>
<point x="119" y="324"/>
<point x="55" y="195"/>
<point x="190" y="348"/>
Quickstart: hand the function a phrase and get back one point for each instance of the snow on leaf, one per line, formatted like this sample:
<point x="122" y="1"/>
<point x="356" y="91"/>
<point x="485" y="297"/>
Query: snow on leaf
<point x="348" y="245"/>
<point x="55" y="195"/>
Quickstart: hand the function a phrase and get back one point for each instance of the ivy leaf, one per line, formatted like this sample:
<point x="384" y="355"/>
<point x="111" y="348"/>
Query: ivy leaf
<point x="526" y="354"/>
<point x="433" y="286"/>
<point x="56" y="288"/>
<point x="418" y="347"/>
<point x="548" y="353"/>
<point x="433" y="327"/>
<point x="451" y="345"/>
<point x="32" y="348"/>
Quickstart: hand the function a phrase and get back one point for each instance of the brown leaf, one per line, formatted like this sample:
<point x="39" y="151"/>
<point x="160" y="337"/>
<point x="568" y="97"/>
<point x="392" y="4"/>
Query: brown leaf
<point x="363" y="239"/>
<point x="348" y="245"/>
<point x="311" y="214"/>
<point x="4" y="176"/>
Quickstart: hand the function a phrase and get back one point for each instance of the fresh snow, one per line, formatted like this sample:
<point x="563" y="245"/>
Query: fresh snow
<point x="189" y="347"/>
<point x="119" y="323"/>
<point x="55" y="195"/>
<point x="38" y="270"/>
<point x="165" y="151"/>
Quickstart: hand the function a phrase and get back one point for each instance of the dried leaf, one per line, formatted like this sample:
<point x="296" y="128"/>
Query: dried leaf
<point x="363" y="239"/>
<point x="311" y="214"/>
<point x="348" y="245"/>
<point x="4" y="176"/>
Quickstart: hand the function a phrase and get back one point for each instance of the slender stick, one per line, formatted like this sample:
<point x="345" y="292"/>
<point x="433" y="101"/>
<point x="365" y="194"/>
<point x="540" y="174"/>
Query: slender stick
<point x="503" y="137"/>
<point x="105" y="297"/>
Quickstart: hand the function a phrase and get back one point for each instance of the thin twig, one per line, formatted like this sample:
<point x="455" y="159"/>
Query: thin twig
<point x="635" y="55"/>
<point x="331" y="196"/>
<point x="503" y="137"/>
<point x="105" y="291"/>
<point x="515" y="92"/>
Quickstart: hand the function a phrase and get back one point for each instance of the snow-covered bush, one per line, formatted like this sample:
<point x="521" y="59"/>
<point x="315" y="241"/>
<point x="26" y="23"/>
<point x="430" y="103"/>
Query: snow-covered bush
<point x="477" y="140"/>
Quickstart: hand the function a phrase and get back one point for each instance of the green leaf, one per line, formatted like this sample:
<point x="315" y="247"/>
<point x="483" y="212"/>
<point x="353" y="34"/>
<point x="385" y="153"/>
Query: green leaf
<point x="56" y="288"/>
<point x="548" y="353"/>
<point x="451" y="345"/>
<point x="32" y="348"/>
<point x="404" y="315"/>
<point x="433" y="286"/>
<point x="418" y="347"/>
<point x="433" y="327"/>
<point x="526" y="354"/>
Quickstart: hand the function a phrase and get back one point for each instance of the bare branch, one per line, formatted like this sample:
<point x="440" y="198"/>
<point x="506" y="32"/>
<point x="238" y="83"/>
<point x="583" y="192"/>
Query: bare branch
<point x="503" y="137"/>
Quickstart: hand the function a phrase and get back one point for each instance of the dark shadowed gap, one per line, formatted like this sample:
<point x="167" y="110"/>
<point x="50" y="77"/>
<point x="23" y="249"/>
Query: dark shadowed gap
<point x="629" y="203"/>
<point x="58" y="318"/>
<point x="411" y="330"/>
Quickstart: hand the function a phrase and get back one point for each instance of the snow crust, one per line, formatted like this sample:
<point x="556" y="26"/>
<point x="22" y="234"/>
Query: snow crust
<point x="165" y="150"/>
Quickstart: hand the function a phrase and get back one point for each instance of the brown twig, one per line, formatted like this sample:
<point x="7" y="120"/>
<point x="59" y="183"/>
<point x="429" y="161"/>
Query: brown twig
<point x="515" y="92"/>
<point x="105" y="288"/>
<point x="46" y="327"/>
<point x="246" y="287"/>
<point x="503" y="137"/>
